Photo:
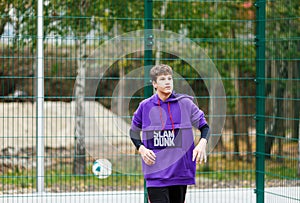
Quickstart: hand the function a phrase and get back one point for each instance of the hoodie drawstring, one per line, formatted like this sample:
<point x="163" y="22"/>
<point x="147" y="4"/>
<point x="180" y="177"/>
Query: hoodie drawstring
<point x="161" y="117"/>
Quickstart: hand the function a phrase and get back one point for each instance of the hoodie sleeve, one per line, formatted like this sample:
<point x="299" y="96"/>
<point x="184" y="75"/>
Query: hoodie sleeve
<point x="136" y="124"/>
<point x="199" y="122"/>
<point x="205" y="132"/>
<point x="136" y="127"/>
<point x="197" y="117"/>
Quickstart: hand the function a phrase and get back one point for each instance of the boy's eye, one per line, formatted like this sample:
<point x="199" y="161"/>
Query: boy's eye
<point x="163" y="78"/>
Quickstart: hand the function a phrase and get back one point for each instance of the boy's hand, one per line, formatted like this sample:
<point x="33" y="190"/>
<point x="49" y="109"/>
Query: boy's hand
<point x="147" y="155"/>
<point x="199" y="153"/>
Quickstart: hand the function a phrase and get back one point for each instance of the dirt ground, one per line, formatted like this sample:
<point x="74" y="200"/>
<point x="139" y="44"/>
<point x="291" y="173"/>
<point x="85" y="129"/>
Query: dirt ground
<point x="18" y="124"/>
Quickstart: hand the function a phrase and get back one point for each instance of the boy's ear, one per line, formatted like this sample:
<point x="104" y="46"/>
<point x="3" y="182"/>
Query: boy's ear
<point x="154" y="84"/>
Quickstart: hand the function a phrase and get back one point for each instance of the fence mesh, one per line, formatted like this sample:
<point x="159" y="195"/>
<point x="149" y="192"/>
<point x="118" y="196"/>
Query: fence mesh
<point x="282" y="100"/>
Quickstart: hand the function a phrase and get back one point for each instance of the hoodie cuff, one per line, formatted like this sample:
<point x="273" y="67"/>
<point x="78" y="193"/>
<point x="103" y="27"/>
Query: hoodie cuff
<point x="205" y="132"/>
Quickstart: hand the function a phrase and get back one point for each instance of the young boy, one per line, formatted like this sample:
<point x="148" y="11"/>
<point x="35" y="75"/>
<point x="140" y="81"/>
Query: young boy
<point x="167" y="148"/>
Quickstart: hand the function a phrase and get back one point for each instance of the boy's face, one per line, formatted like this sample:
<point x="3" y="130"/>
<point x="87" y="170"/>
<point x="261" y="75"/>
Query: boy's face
<point x="164" y="84"/>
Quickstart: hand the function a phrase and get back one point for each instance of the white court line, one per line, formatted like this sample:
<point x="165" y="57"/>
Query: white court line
<point x="226" y="195"/>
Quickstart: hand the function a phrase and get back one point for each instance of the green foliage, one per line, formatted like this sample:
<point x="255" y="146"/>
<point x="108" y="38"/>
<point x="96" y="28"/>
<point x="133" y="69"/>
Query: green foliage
<point x="282" y="29"/>
<point x="221" y="28"/>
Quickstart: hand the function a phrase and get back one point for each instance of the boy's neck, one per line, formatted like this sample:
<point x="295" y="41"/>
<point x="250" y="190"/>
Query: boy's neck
<point x="163" y="96"/>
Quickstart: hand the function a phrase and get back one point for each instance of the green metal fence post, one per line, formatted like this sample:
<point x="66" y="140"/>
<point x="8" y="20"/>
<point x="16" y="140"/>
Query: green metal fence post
<point x="260" y="99"/>
<point x="148" y="7"/>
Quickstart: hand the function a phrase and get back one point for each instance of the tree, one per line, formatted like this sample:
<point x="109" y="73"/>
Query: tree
<point x="296" y="94"/>
<point x="281" y="46"/>
<point x="206" y="23"/>
<point x="61" y="18"/>
<point x="5" y="17"/>
<point x="277" y="127"/>
<point x="78" y="19"/>
<point x="85" y="18"/>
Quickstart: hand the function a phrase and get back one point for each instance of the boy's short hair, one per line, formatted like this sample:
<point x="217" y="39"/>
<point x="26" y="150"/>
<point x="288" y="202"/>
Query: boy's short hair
<point x="161" y="69"/>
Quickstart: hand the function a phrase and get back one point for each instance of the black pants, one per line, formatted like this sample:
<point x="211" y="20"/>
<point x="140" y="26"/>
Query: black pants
<point x="169" y="194"/>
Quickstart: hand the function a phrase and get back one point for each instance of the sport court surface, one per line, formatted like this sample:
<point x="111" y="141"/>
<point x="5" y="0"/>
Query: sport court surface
<point x="238" y="195"/>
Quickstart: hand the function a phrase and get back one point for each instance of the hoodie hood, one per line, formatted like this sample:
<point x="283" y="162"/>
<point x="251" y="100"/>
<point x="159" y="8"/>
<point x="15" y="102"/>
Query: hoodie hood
<point x="174" y="97"/>
<point x="177" y="112"/>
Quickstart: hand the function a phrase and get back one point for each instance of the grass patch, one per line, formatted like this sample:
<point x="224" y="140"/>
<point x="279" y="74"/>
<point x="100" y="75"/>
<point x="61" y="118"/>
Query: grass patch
<point x="59" y="178"/>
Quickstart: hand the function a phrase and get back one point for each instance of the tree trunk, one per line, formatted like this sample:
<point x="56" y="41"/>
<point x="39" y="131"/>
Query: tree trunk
<point x="269" y="140"/>
<point x="277" y="126"/>
<point x="236" y="154"/>
<point x="235" y="119"/>
<point x="242" y="110"/>
<point x="79" y="162"/>
<point x="221" y="147"/>
<point x="296" y="116"/>
<point x="121" y="109"/>
<point x="280" y="105"/>
<point x="3" y="20"/>
<point x="162" y="28"/>
<point x="241" y="121"/>
<point x="296" y="103"/>
<point x="246" y="120"/>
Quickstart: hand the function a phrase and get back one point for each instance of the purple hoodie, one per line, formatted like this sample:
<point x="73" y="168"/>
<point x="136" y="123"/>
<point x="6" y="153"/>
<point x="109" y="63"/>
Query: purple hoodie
<point x="167" y="130"/>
